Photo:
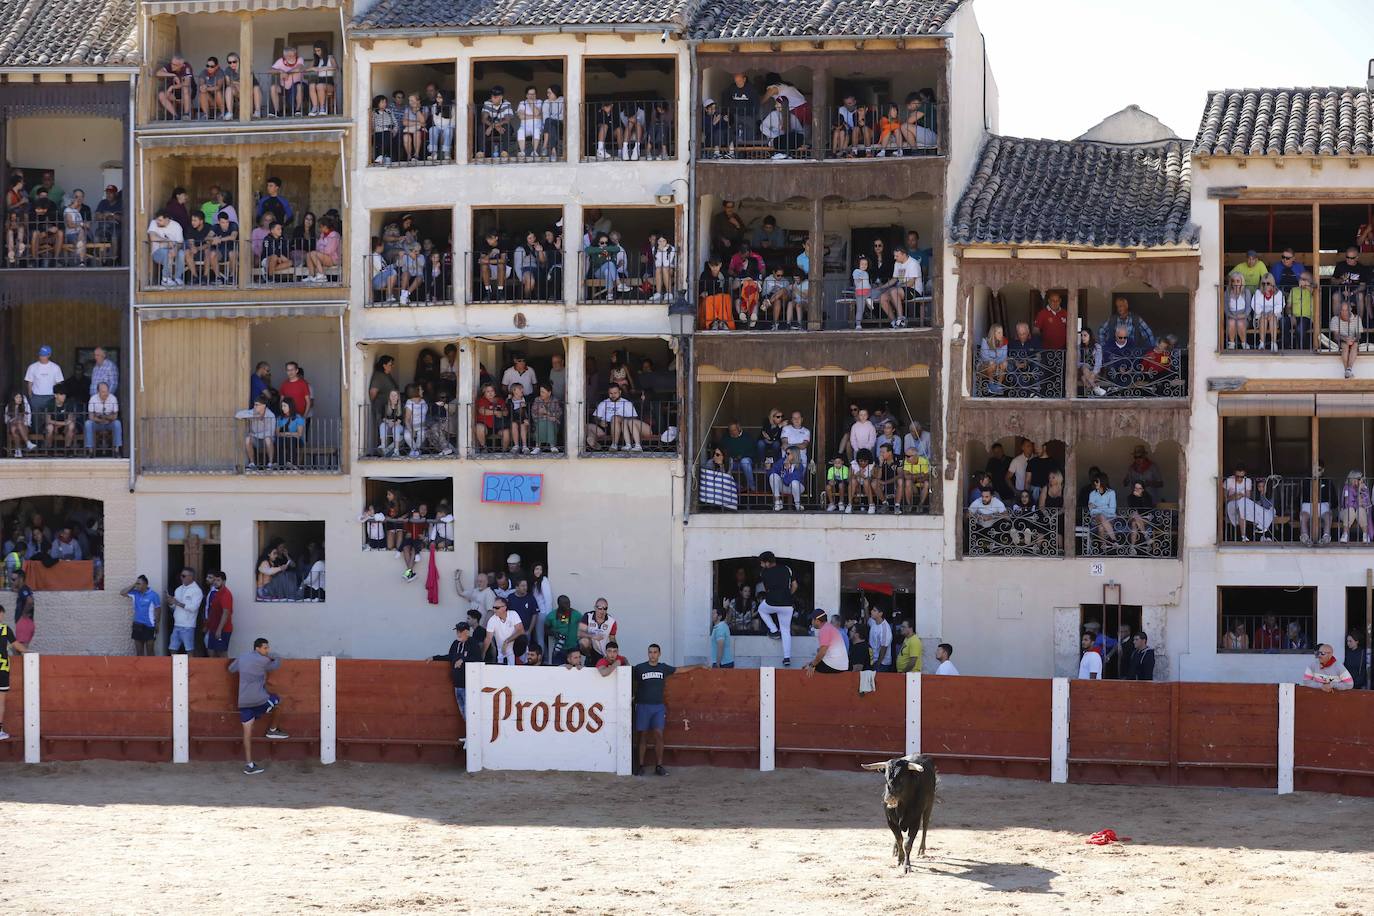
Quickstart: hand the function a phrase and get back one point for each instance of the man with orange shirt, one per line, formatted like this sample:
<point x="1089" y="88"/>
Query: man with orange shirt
<point x="298" y="390"/>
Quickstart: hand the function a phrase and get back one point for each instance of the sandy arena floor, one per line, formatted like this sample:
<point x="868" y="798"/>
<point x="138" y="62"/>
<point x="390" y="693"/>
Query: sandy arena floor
<point x="107" y="837"/>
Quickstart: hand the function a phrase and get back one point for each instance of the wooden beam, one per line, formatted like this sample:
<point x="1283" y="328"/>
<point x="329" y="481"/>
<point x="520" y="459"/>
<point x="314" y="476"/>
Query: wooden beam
<point x="465" y="40"/>
<point x="581" y="38"/>
<point x="366" y="43"/>
<point x="527" y="39"/>
<point x="415" y="42"/>
<point x="627" y="36"/>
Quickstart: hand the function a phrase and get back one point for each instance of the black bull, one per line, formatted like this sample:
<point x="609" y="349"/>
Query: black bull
<point x="908" y="797"/>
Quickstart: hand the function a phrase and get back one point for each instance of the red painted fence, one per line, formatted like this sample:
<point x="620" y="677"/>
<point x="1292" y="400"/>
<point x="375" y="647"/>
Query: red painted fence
<point x="1194" y="734"/>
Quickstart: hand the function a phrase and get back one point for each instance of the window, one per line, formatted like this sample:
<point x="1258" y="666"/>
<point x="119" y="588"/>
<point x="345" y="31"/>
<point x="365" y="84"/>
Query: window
<point x="886" y="584"/>
<point x="67" y="529"/>
<point x="1268" y="620"/>
<point x="290" y="563"/>
<point x="396" y="508"/>
<point x="737" y="586"/>
<point x="507" y="562"/>
<point x="1116" y="621"/>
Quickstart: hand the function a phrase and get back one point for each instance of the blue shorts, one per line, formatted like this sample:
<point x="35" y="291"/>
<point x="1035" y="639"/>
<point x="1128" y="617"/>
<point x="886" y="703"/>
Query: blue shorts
<point x="182" y="638"/>
<point x="216" y="645"/>
<point x="249" y="713"/>
<point x="649" y="717"/>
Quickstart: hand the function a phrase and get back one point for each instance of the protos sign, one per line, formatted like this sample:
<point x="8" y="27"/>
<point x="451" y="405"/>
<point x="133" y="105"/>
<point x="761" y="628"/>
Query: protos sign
<point x="547" y="718"/>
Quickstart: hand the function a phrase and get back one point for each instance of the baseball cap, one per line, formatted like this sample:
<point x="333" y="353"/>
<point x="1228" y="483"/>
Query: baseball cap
<point x="45" y="350"/>
<point x="708" y="103"/>
<point x="1252" y="253"/>
<point x="110" y="187"/>
<point x="513" y="558"/>
<point x="767" y="556"/>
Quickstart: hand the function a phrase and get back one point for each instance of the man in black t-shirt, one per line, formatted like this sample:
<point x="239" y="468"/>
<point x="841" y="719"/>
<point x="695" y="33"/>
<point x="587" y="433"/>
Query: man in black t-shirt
<point x="648" y="680"/>
<point x="196" y="254"/>
<point x="775" y="608"/>
<point x="6" y="639"/>
<point x="997" y="467"/>
<point x="461" y="651"/>
<point x="45" y="226"/>
<point x="1353" y="278"/>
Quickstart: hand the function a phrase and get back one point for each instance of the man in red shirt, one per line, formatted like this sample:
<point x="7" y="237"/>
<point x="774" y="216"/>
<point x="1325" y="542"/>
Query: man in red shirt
<point x="219" y="616"/>
<point x="298" y="390"/>
<point x="1051" y="323"/>
<point x="606" y="666"/>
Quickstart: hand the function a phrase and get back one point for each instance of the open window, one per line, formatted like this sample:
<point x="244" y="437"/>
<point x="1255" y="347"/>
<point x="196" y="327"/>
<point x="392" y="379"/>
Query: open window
<point x="1266" y="620"/>
<point x="736" y="586"/>
<point x="518" y="255"/>
<point x="629" y="254"/>
<point x="509" y="561"/>
<point x="57" y="541"/>
<point x="416" y="99"/>
<point x="411" y="259"/>
<point x="1118" y="623"/>
<point x="395" y="508"/>
<point x="518" y="112"/>
<point x="886" y="584"/>
<point x="290" y="562"/>
<point x="632" y="400"/>
<point x="629" y="113"/>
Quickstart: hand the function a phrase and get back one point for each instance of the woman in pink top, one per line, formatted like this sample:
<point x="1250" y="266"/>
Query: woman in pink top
<point x="863" y="434"/>
<point x="326" y="254"/>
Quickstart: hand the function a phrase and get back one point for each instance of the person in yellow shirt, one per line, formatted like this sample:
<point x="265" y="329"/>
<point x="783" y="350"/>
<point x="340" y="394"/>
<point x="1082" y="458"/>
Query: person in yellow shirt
<point x="1252" y="269"/>
<point x="1297" y="323"/>
<point x="915" y="479"/>
<point x="909" y="658"/>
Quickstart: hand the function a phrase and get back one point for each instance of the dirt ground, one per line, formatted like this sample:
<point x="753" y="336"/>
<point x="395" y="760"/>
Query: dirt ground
<point x="124" y="838"/>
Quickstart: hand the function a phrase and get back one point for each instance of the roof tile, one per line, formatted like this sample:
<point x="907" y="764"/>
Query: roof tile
<point x="1312" y="121"/>
<point x="529" y="14"/>
<point x="1057" y="192"/>
<point x="754" y="19"/>
<point x="68" y="33"/>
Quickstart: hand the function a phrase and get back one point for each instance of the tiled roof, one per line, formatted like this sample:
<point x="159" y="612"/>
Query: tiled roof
<point x="1317" y="121"/>
<point x="1057" y="192"/>
<point x="728" y="20"/>
<point x="68" y="33"/>
<point x="519" y="14"/>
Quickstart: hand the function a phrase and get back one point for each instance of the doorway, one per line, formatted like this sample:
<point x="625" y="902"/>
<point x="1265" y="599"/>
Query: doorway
<point x="193" y="544"/>
<point x="492" y="557"/>
<point x="1112" y="618"/>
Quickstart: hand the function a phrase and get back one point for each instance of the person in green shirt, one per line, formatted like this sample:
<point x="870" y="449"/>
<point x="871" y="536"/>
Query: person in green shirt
<point x="739" y="449"/>
<point x="909" y="659"/>
<point x="1252" y="269"/>
<point x="55" y="192"/>
<point x="1297" y="323"/>
<point x="561" y="629"/>
<point x="601" y="263"/>
<point x="836" y="484"/>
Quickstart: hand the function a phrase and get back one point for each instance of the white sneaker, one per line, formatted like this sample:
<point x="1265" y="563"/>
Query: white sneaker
<point x="847" y="509"/>
<point x="614" y="447"/>
<point x="1274" y="346"/>
<point x="777" y="505"/>
<point x="169" y="281"/>
<point x="830" y="507"/>
<point x="602" y="155"/>
<point x="872" y="509"/>
<point x="18" y="453"/>
<point x="228" y="116"/>
<point x="1245" y="345"/>
<point x="634" y="154"/>
<point x="636" y="447"/>
<point x="1345" y="537"/>
<point x="31" y="445"/>
<point x="624" y="151"/>
<point x="405" y="297"/>
<point x="535" y="450"/>
<point x="1350" y="373"/>
<point x="4" y="735"/>
<point x="1100" y="392"/>
<point x="415" y="453"/>
<point x="779" y="155"/>
<point x="553" y="449"/>
<point x="515" y="449"/>
<point x="1230" y="344"/>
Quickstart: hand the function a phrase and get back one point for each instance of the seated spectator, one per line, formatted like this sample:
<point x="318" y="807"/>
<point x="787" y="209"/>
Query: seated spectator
<point x="920" y="130"/>
<point x="1089" y="363"/>
<point x="776" y="295"/>
<point x="412" y="270"/>
<point x="546" y="412"/>
<point x="769" y="446"/>
<point x="1325" y="488"/>
<point x="176" y="88"/>
<point x="65" y="546"/>
<point x="738" y="450"/>
<point x="289" y="88"/>
<point x="323" y="257"/>
<point x="1157" y="366"/>
<point x="383" y="273"/>
<point x="384" y="127"/>
<point x="1243" y="512"/>
<point x="1296" y="639"/>
<point x="1023" y="360"/>
<point x="715" y="309"/>
<point x="1102" y="511"/>
<point x="102" y="418"/>
<point x="213" y="84"/>
<point x="663" y="259"/>
<point x="992" y="359"/>
<point x="906" y="280"/>
<point x="602" y="257"/>
<point x="1346" y="329"/>
<point x="1140" y="505"/>
<point x="221" y="249"/>
<point x="276" y="256"/>
<point x="492" y="420"/>
<point x="290" y="433"/>
<point x="1297" y="323"/>
<point x="391" y="425"/>
<point x="496" y="124"/>
<point x="862" y="482"/>
<point x="519" y="419"/>
<point x="1355" y="506"/>
<point x="915" y="479"/>
<point x="529" y="116"/>
<point x="851" y="130"/>
<point x="886" y="477"/>
<point x="555" y="115"/>
<point x="789" y="477"/>
<point x="258" y="443"/>
<point x="715" y="130"/>
<point x="60" y="420"/>
<point x="165" y="241"/>
<point x="46" y="231"/>
<point x="1267" y="304"/>
<point x="615" y="420"/>
<point x="1236" y="306"/>
<point x="76" y="226"/>
<point x="197" y="249"/>
<point x="1326" y="673"/>
<point x="837" y="485"/>
<point x="783" y="130"/>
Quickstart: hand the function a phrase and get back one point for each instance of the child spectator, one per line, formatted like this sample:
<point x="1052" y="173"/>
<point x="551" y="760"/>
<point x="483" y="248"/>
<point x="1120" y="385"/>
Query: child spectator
<point x="530" y="114"/>
<point x="383" y="131"/>
<point x="861" y="480"/>
<point x="415" y="416"/>
<point x="392" y="425"/>
<point x="863" y="286"/>
<point x="555" y="113"/>
<point x="837" y="485"/>
<point x="374" y="528"/>
<point x="519" y="420"/>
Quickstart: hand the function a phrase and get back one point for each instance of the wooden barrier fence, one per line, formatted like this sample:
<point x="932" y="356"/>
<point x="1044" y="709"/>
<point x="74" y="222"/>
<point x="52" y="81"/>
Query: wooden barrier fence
<point x="1107" y="732"/>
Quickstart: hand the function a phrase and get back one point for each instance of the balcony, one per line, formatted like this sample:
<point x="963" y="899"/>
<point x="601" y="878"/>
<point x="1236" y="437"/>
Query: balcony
<point x="509" y="125"/>
<point x="1161" y="372"/>
<point x="430" y="432"/>
<point x="1000" y="534"/>
<point x="286" y="261"/>
<point x="736" y="485"/>
<point x="500" y="432"/>
<point x="1028" y="374"/>
<point x="497" y="275"/>
<point x="69" y="434"/>
<point x="237" y="445"/>
<point x="409" y="280"/>
<point x="629" y="130"/>
<point x="631" y="427"/>
<point x="49" y="244"/>
<point x="629" y="278"/>
<point x="1278" y="510"/>
<point x="1298" y="320"/>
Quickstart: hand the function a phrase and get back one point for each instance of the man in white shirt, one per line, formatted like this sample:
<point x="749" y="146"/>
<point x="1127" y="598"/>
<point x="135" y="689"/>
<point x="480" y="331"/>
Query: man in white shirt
<point x="879" y="639"/>
<point x="943" y="653"/>
<point x="41" y="380"/>
<point x="168" y="247"/>
<point x="617" y="420"/>
<point x="102" y="413"/>
<point x="906" y="275"/>
<point x="987" y="508"/>
<point x="918" y="439"/>
<point x="185" y="605"/>
<point x="522" y="373"/>
<point x="1016" y="472"/>
<point x="1090" y="665"/>
<point x="797" y="436"/>
<point x="502" y="630"/>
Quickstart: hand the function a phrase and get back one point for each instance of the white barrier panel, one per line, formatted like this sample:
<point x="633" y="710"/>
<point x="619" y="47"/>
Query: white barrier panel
<point x="328" y="696"/>
<point x="767" y="720"/>
<point x="1287" y="698"/>
<point x="913" y="713"/>
<point x="1059" y="730"/>
<point x="181" y="709"/>
<point x="32" y="705"/>
<point x="547" y="718"/>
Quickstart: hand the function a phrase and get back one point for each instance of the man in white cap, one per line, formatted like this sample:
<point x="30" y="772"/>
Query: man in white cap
<point x="41" y="380"/>
<point x="515" y="570"/>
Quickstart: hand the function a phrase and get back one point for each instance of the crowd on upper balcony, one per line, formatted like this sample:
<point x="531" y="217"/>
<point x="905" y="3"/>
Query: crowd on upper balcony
<point x="407" y="268"/>
<point x="772" y="118"/>
<point x="414" y="126"/>
<point x="1263" y="508"/>
<point x="44" y="416"/>
<point x="294" y="87"/>
<point x="199" y="245"/>
<point x="47" y="227"/>
<point x="1277" y="305"/>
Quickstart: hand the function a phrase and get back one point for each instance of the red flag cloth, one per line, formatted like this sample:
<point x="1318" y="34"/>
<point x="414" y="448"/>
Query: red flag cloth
<point x="881" y="588"/>
<point x="1106" y="838"/>
<point x="432" y="578"/>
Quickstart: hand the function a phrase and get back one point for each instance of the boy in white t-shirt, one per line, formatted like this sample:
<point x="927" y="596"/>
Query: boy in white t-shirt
<point x="863" y="286"/>
<point x="1090" y="665"/>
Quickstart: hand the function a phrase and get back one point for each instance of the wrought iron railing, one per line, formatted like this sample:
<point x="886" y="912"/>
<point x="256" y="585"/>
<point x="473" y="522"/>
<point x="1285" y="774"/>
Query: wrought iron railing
<point x="1035" y="534"/>
<point x="401" y="281"/>
<point x="518" y="134"/>
<point x="1140" y="373"/>
<point x="844" y="309"/>
<point x="70" y="434"/>
<point x="494" y="276"/>
<point x="632" y="276"/>
<point x="634" y="425"/>
<point x="234" y="445"/>
<point x="1149" y="533"/>
<point x="97" y="242"/>
<point x="1037" y="374"/>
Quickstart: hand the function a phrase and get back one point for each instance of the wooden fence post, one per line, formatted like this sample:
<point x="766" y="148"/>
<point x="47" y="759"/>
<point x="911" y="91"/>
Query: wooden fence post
<point x="1287" y="695"/>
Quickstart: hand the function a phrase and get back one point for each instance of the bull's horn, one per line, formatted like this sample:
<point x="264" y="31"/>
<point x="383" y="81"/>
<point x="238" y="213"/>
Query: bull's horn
<point x="915" y="767"/>
<point x="874" y="766"/>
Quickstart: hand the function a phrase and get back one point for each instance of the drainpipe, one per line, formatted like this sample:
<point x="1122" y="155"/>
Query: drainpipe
<point x="686" y="449"/>
<point x="130" y="260"/>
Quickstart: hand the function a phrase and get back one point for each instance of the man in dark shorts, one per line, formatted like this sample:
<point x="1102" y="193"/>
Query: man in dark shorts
<point x="219" y="616"/>
<point x="147" y="604"/>
<point x="6" y="640"/>
<point x="254" y="700"/>
<point x="650" y="712"/>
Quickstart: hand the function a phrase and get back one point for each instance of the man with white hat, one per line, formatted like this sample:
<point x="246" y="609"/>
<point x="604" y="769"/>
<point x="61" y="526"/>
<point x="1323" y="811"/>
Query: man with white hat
<point x="515" y="570"/>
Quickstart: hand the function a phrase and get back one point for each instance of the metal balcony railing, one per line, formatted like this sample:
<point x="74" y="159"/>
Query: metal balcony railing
<point x="497" y="275"/>
<point x="1149" y="533"/>
<point x="98" y="242"/>
<point x="627" y="275"/>
<point x="233" y="445"/>
<point x="1309" y="511"/>
<point x="431" y="434"/>
<point x="70" y="434"/>
<point x="629" y="130"/>
<point x="634" y="425"/>
<point x="1039" y="533"/>
<point x="1037" y="374"/>
<point x="406" y="280"/>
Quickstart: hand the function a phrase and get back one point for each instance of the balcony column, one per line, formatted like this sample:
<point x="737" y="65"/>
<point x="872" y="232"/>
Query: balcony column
<point x="827" y="398"/>
<point x="574" y="97"/>
<point x="245" y="84"/>
<point x="1071" y="348"/>
<point x="1070" y="521"/>
<point x="815" y="304"/>
<point x="572" y="262"/>
<point x="468" y="362"/>
<point x="820" y="107"/>
<point x="463" y="112"/>
<point x="247" y="207"/>
<point x="575" y="409"/>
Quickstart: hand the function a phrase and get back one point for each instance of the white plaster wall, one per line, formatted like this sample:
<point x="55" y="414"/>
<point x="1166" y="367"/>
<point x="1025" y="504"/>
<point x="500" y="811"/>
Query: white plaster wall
<point x="75" y="148"/>
<point x="825" y="540"/>
<point x="86" y="622"/>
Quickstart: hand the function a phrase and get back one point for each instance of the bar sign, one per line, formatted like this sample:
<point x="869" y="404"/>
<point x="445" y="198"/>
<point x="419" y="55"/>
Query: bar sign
<point x="516" y="489"/>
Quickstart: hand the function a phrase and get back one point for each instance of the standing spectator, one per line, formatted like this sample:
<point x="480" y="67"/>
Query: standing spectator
<point x="384" y="126"/>
<point x="909" y="649"/>
<point x="41" y="380"/>
<point x="503" y="629"/>
<point x="879" y="639"/>
<point x="185" y="605"/>
<point x="601" y="627"/>
<point x="254" y="700"/>
<point x="1297" y="324"/>
<point x="561" y="630"/>
<point x="796" y="435"/>
<point x="462" y="650"/>
<point x="298" y="389"/>
<point x="1142" y="665"/>
<point x="480" y="597"/>
<point x="7" y="639"/>
<point x="721" y="641"/>
<point x="1090" y="663"/>
<point x="547" y="413"/>
<point x="944" y="654"/>
<point x="1052" y="322"/>
<point x="1138" y="333"/>
<point x="1326" y="673"/>
<point x="778" y="593"/>
<point x="1356" y="660"/>
<point x="103" y="370"/>
<point x="219" y="616"/>
<point x="649" y="679"/>
<point x="831" y="655"/>
<point x="741" y="111"/>
<point x="860" y="656"/>
<point x="146" y="607"/>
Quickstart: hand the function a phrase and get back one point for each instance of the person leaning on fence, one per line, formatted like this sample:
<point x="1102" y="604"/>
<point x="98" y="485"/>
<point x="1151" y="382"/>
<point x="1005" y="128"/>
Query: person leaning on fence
<point x="1326" y="673"/>
<point x="461" y="651"/>
<point x="254" y="700"/>
<point x="648" y="681"/>
<point x="831" y="655"/>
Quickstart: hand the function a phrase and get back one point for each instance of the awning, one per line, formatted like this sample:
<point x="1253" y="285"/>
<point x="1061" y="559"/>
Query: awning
<point x="746" y="377"/>
<point x="168" y="7"/>
<point x="883" y="375"/>
<point x="217" y="310"/>
<point x="1266" y="405"/>
<point x="257" y="137"/>
<point x="840" y="355"/>
<point x="1358" y="404"/>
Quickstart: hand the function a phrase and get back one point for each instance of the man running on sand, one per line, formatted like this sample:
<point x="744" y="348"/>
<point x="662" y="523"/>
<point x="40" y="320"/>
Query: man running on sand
<point x="254" y="700"/>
